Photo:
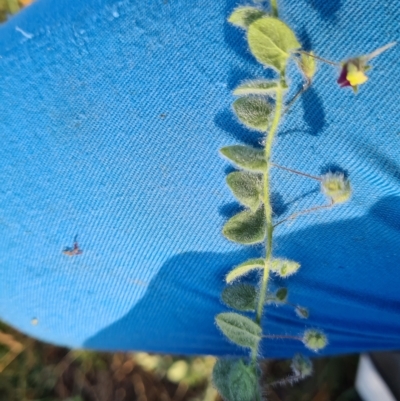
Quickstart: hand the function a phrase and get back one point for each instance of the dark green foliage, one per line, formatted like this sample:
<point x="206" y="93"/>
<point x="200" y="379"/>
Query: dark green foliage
<point x="247" y="188"/>
<point x="239" y="329"/>
<point x="240" y="296"/>
<point x="236" y="381"/>
<point x="245" y="157"/>
<point x="254" y="112"/>
<point x="246" y="227"/>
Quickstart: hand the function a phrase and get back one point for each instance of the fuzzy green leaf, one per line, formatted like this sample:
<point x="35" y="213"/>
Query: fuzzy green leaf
<point x="245" y="157"/>
<point x="284" y="267"/>
<point x="220" y="377"/>
<point x="271" y="42"/>
<point x="281" y="294"/>
<point x="244" y="268"/>
<point x="235" y="381"/>
<point x="257" y="88"/>
<point x="239" y="329"/>
<point x="247" y="188"/>
<point x="243" y="382"/>
<point x="246" y="227"/>
<point x="241" y="297"/>
<point x="244" y="16"/>
<point x="254" y="112"/>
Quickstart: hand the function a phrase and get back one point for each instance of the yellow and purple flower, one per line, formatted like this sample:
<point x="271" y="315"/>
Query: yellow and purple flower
<point x="353" y="70"/>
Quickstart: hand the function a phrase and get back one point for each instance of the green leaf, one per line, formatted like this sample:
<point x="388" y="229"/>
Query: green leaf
<point x="241" y="297"/>
<point x="257" y="88"/>
<point x="220" y="377"/>
<point x="239" y="329"/>
<point x="243" y="382"/>
<point x="254" y="112"/>
<point x="235" y="381"/>
<point x="246" y="227"/>
<point x="271" y="42"/>
<point x="281" y="294"/>
<point x="308" y="65"/>
<point x="246" y="157"/>
<point x="247" y="188"/>
<point x="284" y="267"/>
<point x="244" y="16"/>
<point x="244" y="268"/>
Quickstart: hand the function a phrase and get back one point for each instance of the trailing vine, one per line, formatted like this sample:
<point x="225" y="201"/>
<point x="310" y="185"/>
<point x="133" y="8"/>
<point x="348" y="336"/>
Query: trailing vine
<point x="260" y="106"/>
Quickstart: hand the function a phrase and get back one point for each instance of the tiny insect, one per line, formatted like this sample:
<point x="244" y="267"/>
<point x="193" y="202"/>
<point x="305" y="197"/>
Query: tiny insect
<point x="74" y="251"/>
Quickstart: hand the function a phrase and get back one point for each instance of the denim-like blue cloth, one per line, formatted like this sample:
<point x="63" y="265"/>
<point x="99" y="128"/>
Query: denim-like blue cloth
<point x="111" y="117"/>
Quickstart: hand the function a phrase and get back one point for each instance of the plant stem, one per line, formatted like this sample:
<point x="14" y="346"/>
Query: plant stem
<point x="283" y="337"/>
<point x="274" y="8"/>
<point x="313" y="177"/>
<point x="324" y="60"/>
<point x="267" y="206"/>
<point x="312" y="209"/>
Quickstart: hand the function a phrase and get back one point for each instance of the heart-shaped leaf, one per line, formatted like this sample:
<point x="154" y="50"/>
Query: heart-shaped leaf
<point x="241" y="297"/>
<point x="271" y="42"/>
<point x="254" y="112"/>
<point x="247" y="188"/>
<point x="246" y="227"/>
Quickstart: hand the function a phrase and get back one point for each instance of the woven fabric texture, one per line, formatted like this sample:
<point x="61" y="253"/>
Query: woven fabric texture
<point x="111" y="117"/>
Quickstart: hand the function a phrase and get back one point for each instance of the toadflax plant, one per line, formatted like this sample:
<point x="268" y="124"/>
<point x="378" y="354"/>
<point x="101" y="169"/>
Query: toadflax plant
<point x="260" y="105"/>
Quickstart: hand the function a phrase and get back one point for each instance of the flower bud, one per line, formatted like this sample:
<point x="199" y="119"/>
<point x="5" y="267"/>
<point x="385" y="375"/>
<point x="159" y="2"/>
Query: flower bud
<point x="302" y="312"/>
<point x="336" y="186"/>
<point x="301" y="366"/>
<point x="284" y="267"/>
<point x="314" y="340"/>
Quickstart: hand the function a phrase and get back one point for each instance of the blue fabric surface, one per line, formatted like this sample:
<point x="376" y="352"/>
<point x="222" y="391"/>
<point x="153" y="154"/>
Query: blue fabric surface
<point x="111" y="116"/>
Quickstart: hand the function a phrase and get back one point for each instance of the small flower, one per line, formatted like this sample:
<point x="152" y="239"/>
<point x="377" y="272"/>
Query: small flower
<point x="301" y="366"/>
<point x="353" y="70"/>
<point x="353" y="73"/>
<point x="314" y="340"/>
<point x="336" y="186"/>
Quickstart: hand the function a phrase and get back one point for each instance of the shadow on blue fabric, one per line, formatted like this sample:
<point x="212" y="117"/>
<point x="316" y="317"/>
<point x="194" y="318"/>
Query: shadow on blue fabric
<point x="326" y="9"/>
<point x="304" y="39"/>
<point x="227" y="121"/>
<point x="334" y="168"/>
<point x="313" y="111"/>
<point x="357" y="314"/>
<point x="230" y="209"/>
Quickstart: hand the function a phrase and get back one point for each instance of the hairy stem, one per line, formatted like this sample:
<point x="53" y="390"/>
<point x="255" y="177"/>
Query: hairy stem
<point x="282" y="337"/>
<point x="313" y="177"/>
<point x="267" y="205"/>
<point x="324" y="60"/>
<point x="274" y="8"/>
<point x="312" y="209"/>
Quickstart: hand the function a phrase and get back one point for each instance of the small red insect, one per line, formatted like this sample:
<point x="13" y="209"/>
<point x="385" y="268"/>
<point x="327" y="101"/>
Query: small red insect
<point x="74" y="251"/>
